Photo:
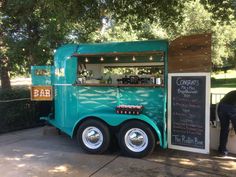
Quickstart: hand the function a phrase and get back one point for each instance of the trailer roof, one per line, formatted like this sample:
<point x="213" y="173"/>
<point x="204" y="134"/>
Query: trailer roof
<point x="122" y="48"/>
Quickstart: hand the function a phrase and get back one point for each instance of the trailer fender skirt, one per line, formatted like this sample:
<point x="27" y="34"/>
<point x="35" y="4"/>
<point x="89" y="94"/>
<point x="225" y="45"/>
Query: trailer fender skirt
<point x="49" y="117"/>
<point x="44" y="118"/>
<point x="121" y="118"/>
<point x="156" y="129"/>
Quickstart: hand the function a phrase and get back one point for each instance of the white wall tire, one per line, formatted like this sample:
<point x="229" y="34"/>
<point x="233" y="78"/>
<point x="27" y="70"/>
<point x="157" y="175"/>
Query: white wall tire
<point x="93" y="136"/>
<point x="136" y="139"/>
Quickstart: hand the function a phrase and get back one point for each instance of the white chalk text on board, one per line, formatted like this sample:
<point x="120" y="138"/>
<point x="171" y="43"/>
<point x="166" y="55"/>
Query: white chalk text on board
<point x="188" y="111"/>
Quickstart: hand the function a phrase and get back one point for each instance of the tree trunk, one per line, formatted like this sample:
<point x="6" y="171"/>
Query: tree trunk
<point x="4" y="70"/>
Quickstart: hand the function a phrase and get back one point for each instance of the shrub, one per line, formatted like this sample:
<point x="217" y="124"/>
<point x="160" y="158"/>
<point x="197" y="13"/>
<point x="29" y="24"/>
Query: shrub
<point x="20" y="114"/>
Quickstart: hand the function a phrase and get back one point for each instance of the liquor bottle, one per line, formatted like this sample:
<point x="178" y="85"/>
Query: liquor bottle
<point x="109" y="80"/>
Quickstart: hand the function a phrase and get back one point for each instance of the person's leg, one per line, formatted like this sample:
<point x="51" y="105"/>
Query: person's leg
<point x="233" y="120"/>
<point x="233" y="117"/>
<point x="224" y="131"/>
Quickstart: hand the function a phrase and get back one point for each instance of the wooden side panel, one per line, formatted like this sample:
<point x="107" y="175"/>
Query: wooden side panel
<point x="190" y="54"/>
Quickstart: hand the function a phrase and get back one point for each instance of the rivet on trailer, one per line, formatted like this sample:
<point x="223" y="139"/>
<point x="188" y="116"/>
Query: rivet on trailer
<point x="105" y="90"/>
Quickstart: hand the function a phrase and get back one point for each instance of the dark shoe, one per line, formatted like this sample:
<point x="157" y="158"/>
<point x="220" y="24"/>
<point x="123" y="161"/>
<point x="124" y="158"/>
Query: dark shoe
<point x="223" y="153"/>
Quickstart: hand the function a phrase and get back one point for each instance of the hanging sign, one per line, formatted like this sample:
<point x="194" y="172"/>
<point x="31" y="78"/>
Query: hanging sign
<point x="41" y="93"/>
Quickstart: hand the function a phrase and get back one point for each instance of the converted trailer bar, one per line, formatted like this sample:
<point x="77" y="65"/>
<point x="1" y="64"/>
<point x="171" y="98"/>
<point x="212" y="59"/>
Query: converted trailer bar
<point x="112" y="90"/>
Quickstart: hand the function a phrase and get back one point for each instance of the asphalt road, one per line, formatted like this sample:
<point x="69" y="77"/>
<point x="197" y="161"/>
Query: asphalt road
<point x="41" y="152"/>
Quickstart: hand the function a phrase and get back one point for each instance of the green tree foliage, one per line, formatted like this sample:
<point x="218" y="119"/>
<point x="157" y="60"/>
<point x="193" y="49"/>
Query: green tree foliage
<point x="197" y="19"/>
<point x="194" y="18"/>
<point x="35" y="28"/>
<point x="222" y="10"/>
<point x="32" y="29"/>
<point x="128" y="17"/>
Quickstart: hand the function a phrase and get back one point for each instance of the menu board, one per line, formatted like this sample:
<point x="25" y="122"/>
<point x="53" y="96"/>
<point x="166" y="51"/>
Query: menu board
<point x="188" y="107"/>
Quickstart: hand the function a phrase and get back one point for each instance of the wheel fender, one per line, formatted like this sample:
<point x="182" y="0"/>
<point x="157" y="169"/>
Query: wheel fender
<point x="121" y="118"/>
<point x="155" y="127"/>
<point x="83" y="119"/>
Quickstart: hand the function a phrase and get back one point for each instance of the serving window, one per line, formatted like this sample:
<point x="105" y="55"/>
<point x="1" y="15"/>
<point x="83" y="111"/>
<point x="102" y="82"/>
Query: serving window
<point x="123" y="69"/>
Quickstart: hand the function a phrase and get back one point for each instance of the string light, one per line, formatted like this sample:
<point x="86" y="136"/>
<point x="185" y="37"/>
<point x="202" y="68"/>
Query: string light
<point x="44" y="50"/>
<point x="23" y="49"/>
<point x="134" y="58"/>
<point x="102" y="59"/>
<point x="150" y="58"/>
<point x="116" y="59"/>
<point x="86" y="60"/>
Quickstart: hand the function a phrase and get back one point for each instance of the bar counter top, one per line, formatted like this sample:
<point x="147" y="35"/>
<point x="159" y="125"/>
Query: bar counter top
<point x="119" y="85"/>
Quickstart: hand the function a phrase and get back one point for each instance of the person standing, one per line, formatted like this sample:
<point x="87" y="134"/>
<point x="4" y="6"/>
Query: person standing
<point x="226" y="113"/>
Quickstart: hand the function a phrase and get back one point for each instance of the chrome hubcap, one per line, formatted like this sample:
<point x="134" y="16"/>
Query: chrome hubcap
<point x="92" y="137"/>
<point x="136" y="140"/>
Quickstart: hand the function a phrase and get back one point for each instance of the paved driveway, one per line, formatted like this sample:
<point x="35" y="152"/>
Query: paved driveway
<point x="41" y="152"/>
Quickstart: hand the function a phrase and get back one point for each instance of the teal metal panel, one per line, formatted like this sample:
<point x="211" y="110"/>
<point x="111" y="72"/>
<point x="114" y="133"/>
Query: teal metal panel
<point x="65" y="74"/>
<point x="42" y="75"/>
<point x="73" y="103"/>
<point x="165" y="99"/>
<point x="65" y="65"/>
<point x="135" y="46"/>
<point x="82" y="101"/>
<point x="151" y="98"/>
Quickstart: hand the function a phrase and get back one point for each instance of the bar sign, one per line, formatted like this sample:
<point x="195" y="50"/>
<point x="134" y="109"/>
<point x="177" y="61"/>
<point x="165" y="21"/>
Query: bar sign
<point x="41" y="93"/>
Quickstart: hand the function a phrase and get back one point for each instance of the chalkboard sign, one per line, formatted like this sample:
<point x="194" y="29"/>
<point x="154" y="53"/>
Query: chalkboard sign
<point x="188" y="107"/>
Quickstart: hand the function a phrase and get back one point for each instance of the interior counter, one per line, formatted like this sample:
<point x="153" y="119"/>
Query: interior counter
<point x="119" y="85"/>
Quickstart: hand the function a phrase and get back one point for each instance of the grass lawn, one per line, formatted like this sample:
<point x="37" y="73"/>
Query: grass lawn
<point x="223" y="82"/>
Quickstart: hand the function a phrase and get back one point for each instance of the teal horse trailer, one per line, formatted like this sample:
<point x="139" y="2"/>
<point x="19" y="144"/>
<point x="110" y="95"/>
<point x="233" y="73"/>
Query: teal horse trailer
<point x="103" y="91"/>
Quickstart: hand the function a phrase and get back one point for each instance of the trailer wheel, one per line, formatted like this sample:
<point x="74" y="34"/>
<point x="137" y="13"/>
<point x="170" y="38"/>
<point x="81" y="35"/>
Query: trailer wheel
<point x="93" y="136"/>
<point x="136" y="139"/>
